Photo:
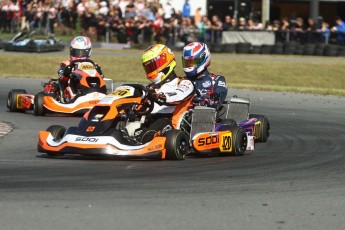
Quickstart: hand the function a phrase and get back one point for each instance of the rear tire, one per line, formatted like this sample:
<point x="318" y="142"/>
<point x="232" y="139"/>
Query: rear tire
<point x="176" y="145"/>
<point x="239" y="139"/>
<point x="12" y="99"/>
<point x="58" y="132"/>
<point x="39" y="109"/>
<point x="264" y="130"/>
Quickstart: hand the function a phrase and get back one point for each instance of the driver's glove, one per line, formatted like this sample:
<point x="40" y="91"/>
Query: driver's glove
<point x="160" y="98"/>
<point x="67" y="71"/>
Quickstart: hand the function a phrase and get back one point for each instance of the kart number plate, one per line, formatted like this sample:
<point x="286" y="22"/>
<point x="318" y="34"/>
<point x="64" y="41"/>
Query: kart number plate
<point x="226" y="143"/>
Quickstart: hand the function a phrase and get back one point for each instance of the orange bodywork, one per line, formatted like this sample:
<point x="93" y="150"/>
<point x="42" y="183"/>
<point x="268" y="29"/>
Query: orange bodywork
<point x="55" y="106"/>
<point x="156" y="145"/>
<point x="220" y="141"/>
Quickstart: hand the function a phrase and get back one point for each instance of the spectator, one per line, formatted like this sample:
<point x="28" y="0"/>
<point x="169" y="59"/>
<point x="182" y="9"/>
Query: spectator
<point x="203" y="29"/>
<point x="325" y="32"/>
<point x="186" y="9"/>
<point x="217" y="27"/>
<point x="158" y="27"/>
<point x="297" y="31"/>
<point x="168" y="12"/>
<point x="227" y="23"/>
<point x="257" y="25"/>
<point x="339" y="29"/>
<point x="197" y="16"/>
<point x="234" y="25"/>
<point x="103" y="9"/>
<point x="242" y="25"/>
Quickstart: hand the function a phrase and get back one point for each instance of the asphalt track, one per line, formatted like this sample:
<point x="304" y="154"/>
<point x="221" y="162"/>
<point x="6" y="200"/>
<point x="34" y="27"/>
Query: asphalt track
<point x="295" y="181"/>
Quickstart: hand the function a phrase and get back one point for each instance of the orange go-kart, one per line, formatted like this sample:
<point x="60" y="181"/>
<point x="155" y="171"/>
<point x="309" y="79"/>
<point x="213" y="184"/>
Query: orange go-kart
<point x="85" y="89"/>
<point x="107" y="129"/>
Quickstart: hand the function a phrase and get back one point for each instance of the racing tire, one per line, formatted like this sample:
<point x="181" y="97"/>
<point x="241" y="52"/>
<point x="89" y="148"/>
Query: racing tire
<point x="39" y="109"/>
<point x="12" y="100"/>
<point x="58" y="132"/>
<point x="176" y="145"/>
<point x="264" y="129"/>
<point x="229" y="122"/>
<point x="239" y="139"/>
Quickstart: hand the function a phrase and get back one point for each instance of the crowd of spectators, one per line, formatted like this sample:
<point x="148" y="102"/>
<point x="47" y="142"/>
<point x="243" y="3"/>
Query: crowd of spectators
<point x="144" y="21"/>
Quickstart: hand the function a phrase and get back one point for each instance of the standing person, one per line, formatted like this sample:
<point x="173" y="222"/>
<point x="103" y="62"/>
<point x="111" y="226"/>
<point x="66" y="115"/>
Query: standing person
<point x="80" y="49"/>
<point x="211" y="88"/>
<point x="186" y="9"/>
<point x="339" y="29"/>
<point x="172" y="94"/>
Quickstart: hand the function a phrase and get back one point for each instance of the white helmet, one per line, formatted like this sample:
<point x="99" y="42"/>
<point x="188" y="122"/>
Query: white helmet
<point x="80" y="48"/>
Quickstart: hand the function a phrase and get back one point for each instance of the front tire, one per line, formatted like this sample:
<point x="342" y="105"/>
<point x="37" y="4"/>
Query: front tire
<point x="58" y="132"/>
<point x="239" y="139"/>
<point x="176" y="145"/>
<point x="39" y="109"/>
<point x="12" y="99"/>
<point x="263" y="132"/>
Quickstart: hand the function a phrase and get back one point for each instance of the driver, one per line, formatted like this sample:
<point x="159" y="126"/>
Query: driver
<point x="80" y="49"/>
<point x="211" y="88"/>
<point x="172" y="94"/>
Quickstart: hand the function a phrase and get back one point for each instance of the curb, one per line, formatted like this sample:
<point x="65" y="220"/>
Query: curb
<point x="5" y="128"/>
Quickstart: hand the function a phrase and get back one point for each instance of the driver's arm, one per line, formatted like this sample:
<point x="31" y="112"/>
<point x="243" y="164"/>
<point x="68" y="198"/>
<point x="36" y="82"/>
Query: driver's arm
<point x="185" y="89"/>
<point x="220" y="89"/>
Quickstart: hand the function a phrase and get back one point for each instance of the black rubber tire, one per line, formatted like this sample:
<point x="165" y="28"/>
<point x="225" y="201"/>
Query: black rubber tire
<point x="264" y="130"/>
<point x="239" y="139"/>
<point x="58" y="132"/>
<point x="266" y="49"/>
<point x="12" y="99"/>
<point x="243" y="48"/>
<point x="39" y="109"/>
<point x="176" y="145"/>
<point x="229" y="122"/>
<point x="229" y="48"/>
<point x="309" y="49"/>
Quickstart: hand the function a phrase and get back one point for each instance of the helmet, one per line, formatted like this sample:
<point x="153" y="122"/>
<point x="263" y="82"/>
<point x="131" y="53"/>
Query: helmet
<point x="159" y="62"/>
<point x="196" y="57"/>
<point x="80" y="48"/>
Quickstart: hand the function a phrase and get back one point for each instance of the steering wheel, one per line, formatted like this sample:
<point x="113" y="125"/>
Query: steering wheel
<point x="147" y="100"/>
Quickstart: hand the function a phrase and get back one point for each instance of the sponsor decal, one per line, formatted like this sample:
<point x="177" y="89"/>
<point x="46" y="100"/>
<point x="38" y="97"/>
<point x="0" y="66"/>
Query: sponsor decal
<point x="155" y="147"/>
<point x="99" y="116"/>
<point x="87" y="66"/>
<point x="226" y="144"/>
<point x="90" y="128"/>
<point x="86" y="139"/>
<point x="208" y="140"/>
<point x="93" y="102"/>
<point x="221" y="84"/>
<point x="121" y="92"/>
<point x="207" y="84"/>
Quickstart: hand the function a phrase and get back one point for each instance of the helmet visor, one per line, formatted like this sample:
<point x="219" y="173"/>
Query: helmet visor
<point x="80" y="52"/>
<point x="155" y="63"/>
<point x="192" y="62"/>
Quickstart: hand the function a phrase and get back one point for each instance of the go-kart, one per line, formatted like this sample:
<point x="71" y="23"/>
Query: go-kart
<point x="238" y="110"/>
<point x="23" y="42"/>
<point x="109" y="129"/>
<point x="85" y="89"/>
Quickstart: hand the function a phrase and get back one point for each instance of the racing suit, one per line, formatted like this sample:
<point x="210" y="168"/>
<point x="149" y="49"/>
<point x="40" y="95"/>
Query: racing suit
<point x="210" y="88"/>
<point x="173" y="97"/>
<point x="64" y="72"/>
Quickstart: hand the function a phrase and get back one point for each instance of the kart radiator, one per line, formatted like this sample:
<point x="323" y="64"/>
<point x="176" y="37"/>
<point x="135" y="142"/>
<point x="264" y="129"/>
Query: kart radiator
<point x="203" y="120"/>
<point x="236" y="109"/>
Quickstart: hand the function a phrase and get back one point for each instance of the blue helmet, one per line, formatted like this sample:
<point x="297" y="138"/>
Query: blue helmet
<point x="196" y="57"/>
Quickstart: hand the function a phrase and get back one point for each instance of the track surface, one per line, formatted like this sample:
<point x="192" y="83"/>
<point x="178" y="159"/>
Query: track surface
<point x="295" y="181"/>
